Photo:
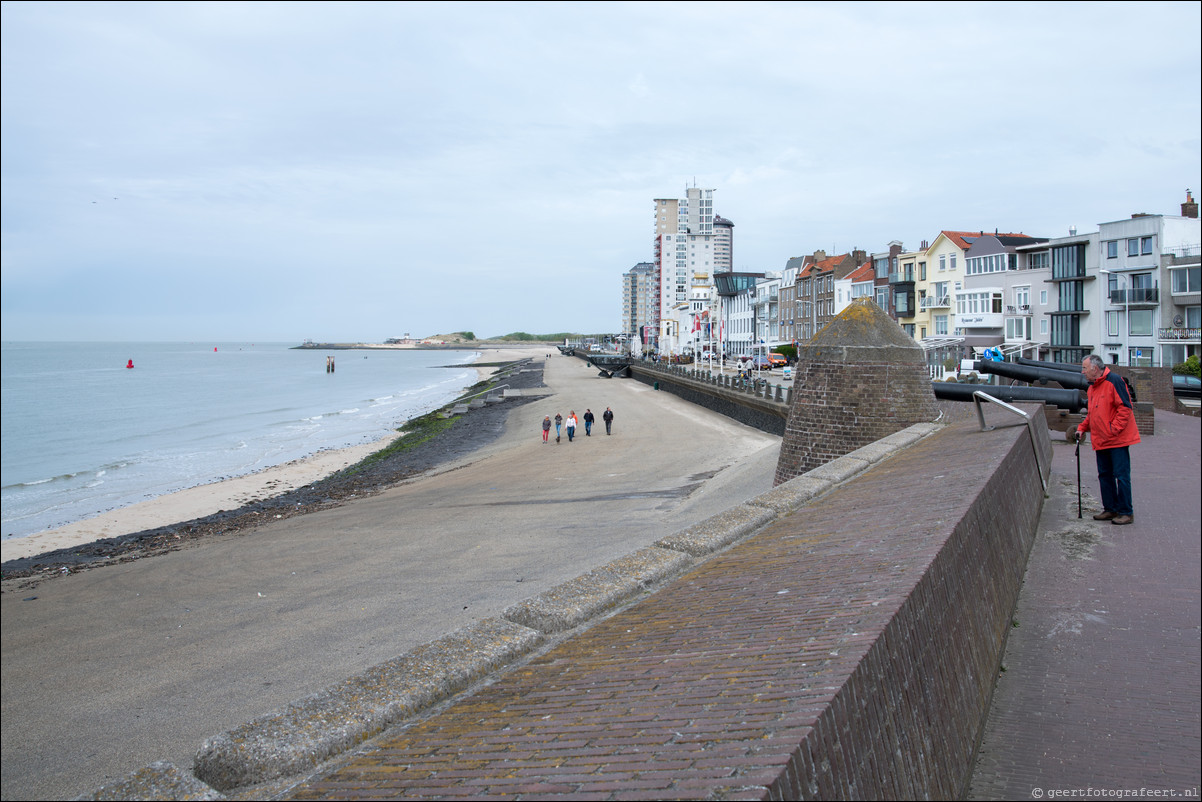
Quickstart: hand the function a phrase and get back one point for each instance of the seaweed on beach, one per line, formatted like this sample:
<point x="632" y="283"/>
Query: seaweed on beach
<point x="428" y="441"/>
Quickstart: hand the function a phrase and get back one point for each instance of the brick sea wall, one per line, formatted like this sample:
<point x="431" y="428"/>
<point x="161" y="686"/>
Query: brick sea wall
<point x="763" y="414"/>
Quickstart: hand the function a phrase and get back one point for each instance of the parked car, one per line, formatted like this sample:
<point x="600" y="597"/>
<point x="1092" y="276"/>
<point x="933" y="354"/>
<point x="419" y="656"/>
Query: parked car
<point x="768" y="361"/>
<point x="1187" y="386"/>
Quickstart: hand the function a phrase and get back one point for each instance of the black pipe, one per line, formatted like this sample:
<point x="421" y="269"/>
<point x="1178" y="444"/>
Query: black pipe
<point x="1069" y="399"/>
<point x="1071" y="367"/>
<point x="1031" y="375"/>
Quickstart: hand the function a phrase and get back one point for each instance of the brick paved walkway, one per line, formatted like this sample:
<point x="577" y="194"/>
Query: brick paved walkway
<point x="1101" y="688"/>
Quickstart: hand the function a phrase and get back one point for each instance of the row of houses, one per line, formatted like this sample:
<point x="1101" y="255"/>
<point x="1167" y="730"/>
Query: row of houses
<point x="1130" y="291"/>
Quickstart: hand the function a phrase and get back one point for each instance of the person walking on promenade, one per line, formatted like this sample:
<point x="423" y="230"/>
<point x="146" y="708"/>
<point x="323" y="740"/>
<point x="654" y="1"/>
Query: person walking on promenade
<point x="588" y="423"/>
<point x="558" y="424"/>
<point x="608" y="417"/>
<point x="571" y="424"/>
<point x="1110" y="421"/>
<point x="546" y="427"/>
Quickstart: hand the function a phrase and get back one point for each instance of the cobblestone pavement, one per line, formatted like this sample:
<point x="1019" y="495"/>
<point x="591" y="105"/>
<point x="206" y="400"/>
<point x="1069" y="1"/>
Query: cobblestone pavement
<point x="1100" y="693"/>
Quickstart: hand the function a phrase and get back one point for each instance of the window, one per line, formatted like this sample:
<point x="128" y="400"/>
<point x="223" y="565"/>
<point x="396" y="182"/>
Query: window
<point x="1187" y="279"/>
<point x="1068" y="261"/>
<point x="1139" y="322"/>
<point x="1043" y="327"/>
<point x="1145" y="245"/>
<point x="1018" y="328"/>
<point x="1043" y="297"/>
<point x="1112" y="324"/>
<point x="1112" y="249"/>
<point x="942" y="261"/>
<point x="952" y="264"/>
<point x="1139" y="357"/>
<point x="1022" y="298"/>
<point x="940" y="325"/>
<point x="1036" y="261"/>
<point x="922" y="271"/>
<point x="1133" y="247"/>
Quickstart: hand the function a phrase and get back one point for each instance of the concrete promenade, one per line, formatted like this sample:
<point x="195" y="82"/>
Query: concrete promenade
<point x="1101" y="687"/>
<point x="108" y="670"/>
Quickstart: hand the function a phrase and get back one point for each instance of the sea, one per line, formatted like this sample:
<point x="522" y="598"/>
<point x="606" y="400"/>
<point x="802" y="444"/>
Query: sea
<point x="84" y="433"/>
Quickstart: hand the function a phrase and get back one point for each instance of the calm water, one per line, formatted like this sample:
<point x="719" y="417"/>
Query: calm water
<point x="82" y="434"/>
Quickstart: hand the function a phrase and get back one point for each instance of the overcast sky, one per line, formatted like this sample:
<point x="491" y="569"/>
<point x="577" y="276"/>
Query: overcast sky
<point x="283" y="171"/>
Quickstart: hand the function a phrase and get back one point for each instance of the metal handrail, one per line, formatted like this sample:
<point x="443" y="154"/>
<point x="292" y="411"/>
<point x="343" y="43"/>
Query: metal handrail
<point x="981" y="395"/>
<point x="482" y="392"/>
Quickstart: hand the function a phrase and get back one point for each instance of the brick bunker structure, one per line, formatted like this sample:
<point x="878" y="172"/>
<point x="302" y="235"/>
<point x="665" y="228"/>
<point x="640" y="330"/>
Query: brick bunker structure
<point x="858" y="380"/>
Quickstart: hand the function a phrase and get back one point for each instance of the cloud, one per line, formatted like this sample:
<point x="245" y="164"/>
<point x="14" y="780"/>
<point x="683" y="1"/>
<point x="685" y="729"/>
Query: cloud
<point x="363" y="164"/>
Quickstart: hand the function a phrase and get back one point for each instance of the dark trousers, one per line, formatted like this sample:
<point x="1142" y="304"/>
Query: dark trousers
<point x="1114" y="479"/>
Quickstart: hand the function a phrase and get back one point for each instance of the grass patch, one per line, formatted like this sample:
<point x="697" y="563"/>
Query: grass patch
<point x="416" y="431"/>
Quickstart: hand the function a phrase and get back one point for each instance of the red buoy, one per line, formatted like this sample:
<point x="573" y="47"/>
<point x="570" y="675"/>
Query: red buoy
<point x="129" y="364"/>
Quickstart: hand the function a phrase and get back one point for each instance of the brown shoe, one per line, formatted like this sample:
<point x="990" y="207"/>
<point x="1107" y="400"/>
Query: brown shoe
<point x="1105" y="515"/>
<point x="1123" y="520"/>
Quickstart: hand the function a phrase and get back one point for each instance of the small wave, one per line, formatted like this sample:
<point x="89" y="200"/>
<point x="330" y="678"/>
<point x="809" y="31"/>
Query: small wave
<point x="35" y="482"/>
<point x="350" y="411"/>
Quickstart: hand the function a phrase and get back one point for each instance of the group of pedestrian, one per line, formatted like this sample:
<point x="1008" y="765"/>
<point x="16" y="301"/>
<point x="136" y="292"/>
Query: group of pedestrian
<point x="571" y="423"/>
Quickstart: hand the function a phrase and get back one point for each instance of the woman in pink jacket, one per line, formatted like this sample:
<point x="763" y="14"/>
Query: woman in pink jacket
<point x="1110" y="422"/>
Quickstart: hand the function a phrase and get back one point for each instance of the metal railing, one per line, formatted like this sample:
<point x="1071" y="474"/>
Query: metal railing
<point x="981" y="395"/>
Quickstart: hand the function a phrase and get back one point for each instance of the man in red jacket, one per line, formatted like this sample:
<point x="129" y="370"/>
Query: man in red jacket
<point x="1110" y="422"/>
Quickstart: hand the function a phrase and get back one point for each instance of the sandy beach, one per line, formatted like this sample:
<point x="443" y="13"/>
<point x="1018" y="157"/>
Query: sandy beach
<point x="227" y="494"/>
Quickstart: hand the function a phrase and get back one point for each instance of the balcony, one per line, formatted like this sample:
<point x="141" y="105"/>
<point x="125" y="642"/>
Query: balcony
<point x="1021" y="309"/>
<point x="1139" y="296"/>
<point x="1179" y="335"/>
<point x="932" y="302"/>
<point x="903" y="277"/>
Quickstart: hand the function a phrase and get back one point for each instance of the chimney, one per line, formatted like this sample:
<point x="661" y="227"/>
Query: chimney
<point x="924" y="245"/>
<point x="859" y="257"/>
<point x="1072" y="231"/>
<point x="819" y="256"/>
<point x="1190" y="207"/>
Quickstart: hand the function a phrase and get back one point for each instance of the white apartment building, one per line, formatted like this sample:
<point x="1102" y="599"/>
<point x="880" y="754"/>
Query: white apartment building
<point x="736" y="312"/>
<point x="724" y="245"/>
<point x="638" y="305"/>
<point x="996" y="306"/>
<point x="766" y="305"/>
<point x="1151" y="301"/>
<point x="683" y="245"/>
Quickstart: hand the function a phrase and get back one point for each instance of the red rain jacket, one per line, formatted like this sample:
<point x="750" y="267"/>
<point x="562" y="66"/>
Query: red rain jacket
<point x="1110" y="420"/>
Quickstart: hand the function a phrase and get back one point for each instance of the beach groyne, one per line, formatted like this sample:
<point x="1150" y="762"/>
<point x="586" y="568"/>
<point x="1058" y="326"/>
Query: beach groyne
<point x="837" y="637"/>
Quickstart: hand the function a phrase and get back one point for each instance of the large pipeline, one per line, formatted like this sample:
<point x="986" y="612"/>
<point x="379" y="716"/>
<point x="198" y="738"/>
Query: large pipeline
<point x="1072" y="400"/>
<point x="1031" y="375"/>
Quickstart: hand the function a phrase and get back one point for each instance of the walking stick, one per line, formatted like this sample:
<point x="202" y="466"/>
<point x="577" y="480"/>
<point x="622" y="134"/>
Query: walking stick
<point x="1078" y="475"/>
